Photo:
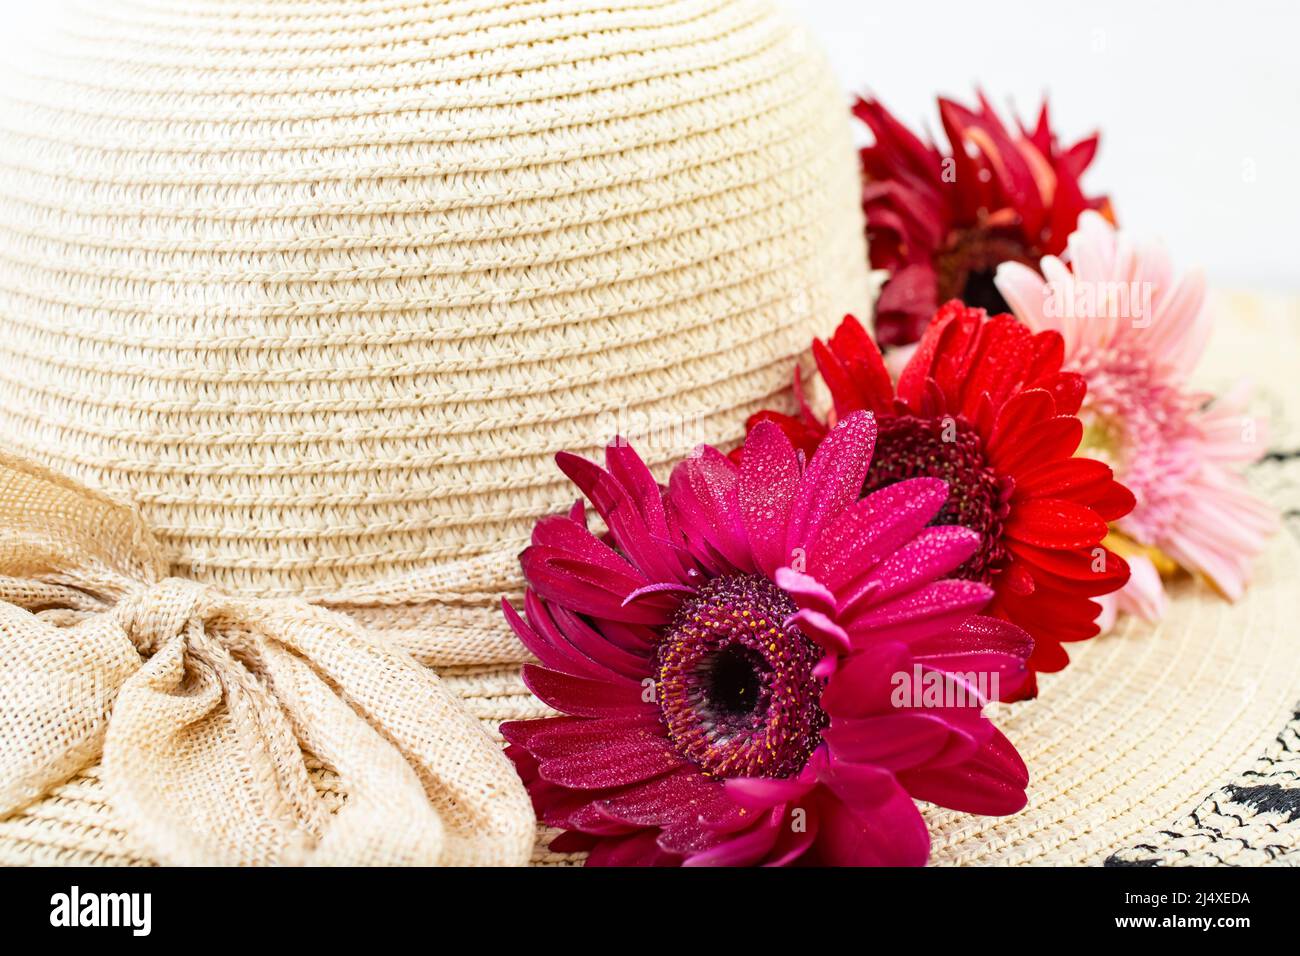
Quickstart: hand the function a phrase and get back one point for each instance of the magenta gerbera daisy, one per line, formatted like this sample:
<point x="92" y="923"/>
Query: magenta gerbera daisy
<point x="755" y="666"/>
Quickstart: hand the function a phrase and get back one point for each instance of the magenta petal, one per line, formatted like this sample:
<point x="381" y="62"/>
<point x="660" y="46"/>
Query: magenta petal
<point x="919" y="614"/>
<point x="807" y="591"/>
<point x="769" y="475"/>
<point x="569" y="565"/>
<point x="659" y="588"/>
<point x="590" y="589"/>
<point x="932" y="554"/>
<point x="762" y="793"/>
<point x="584" y="697"/>
<point x="864" y="682"/>
<point x="992" y="782"/>
<point x="793" y="843"/>
<point x="685" y="802"/>
<point x="564" y="813"/>
<point x="746" y="848"/>
<point x="565" y="643"/>
<point x="614" y="762"/>
<point x="559" y="659"/>
<point x="638" y="639"/>
<point x="635" y="849"/>
<point x="858" y="785"/>
<point x="887" y="833"/>
<point x="833" y="479"/>
<point x="550" y="737"/>
<point x="627" y="468"/>
<point x="520" y="732"/>
<point x="613" y="658"/>
<point x="872" y="529"/>
<point x="704" y="494"/>
<point x="899" y="741"/>
<point x="637" y="525"/>
<point x="824" y="632"/>
<point x="980" y="646"/>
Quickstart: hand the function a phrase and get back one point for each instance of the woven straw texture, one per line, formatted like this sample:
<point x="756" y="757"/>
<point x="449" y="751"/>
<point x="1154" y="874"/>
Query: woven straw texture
<point x="324" y="285"/>
<point x="320" y="288"/>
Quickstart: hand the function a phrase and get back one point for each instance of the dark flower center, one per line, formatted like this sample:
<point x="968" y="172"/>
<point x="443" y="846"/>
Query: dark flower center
<point x="735" y="685"/>
<point x="965" y="269"/>
<point x="947" y="448"/>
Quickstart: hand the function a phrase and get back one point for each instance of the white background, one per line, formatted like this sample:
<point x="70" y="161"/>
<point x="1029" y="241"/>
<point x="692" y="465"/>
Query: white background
<point x="1198" y="102"/>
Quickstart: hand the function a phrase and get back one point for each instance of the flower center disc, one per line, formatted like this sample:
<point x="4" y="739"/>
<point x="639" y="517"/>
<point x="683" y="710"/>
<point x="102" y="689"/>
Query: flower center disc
<point x="735" y="686"/>
<point x="965" y="269"/>
<point x="947" y="448"/>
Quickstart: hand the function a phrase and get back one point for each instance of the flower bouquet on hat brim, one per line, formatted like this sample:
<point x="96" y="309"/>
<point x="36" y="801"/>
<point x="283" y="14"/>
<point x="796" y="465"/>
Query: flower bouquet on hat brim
<point x="774" y="657"/>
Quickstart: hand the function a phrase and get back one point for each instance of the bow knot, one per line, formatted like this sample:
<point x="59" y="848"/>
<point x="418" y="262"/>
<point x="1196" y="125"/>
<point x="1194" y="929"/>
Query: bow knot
<point x="205" y="710"/>
<point x="151" y="615"/>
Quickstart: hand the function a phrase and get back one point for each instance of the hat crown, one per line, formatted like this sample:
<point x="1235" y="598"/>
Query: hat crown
<point x="323" y="286"/>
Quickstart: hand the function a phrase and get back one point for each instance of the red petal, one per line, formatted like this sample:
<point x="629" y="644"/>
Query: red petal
<point x="1051" y="440"/>
<point x="1055" y="523"/>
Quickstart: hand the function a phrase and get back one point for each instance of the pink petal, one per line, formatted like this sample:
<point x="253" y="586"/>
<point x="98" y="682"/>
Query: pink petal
<point x="1026" y="293"/>
<point x="1144" y="594"/>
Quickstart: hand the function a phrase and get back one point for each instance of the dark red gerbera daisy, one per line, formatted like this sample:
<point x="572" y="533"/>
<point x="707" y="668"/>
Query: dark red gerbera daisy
<point x="984" y="405"/>
<point x="942" y="223"/>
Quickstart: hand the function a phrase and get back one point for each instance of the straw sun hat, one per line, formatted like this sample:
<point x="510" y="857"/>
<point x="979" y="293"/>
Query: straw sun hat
<point x="297" y="301"/>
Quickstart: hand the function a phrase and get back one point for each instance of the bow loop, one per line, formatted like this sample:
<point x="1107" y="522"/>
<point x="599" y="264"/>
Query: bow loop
<point x="205" y="709"/>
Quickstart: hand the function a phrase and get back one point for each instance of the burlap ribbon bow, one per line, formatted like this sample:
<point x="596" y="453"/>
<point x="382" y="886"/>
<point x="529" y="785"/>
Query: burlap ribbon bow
<point x="205" y="709"/>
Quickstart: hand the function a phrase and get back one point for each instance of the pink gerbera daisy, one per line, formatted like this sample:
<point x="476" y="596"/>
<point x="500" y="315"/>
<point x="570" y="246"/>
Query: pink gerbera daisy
<point x="1136" y="335"/>
<point x="738" y="662"/>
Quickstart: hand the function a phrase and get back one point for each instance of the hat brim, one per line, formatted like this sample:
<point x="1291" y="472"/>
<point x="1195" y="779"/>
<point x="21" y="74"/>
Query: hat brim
<point x="1144" y="723"/>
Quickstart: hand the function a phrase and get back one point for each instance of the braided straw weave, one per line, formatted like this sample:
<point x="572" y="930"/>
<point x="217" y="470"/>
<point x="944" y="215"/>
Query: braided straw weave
<point x="322" y="285"/>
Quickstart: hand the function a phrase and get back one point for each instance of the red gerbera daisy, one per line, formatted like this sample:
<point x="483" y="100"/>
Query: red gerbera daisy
<point x="738" y="662"/>
<point x="984" y="405"/>
<point x="941" y="224"/>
